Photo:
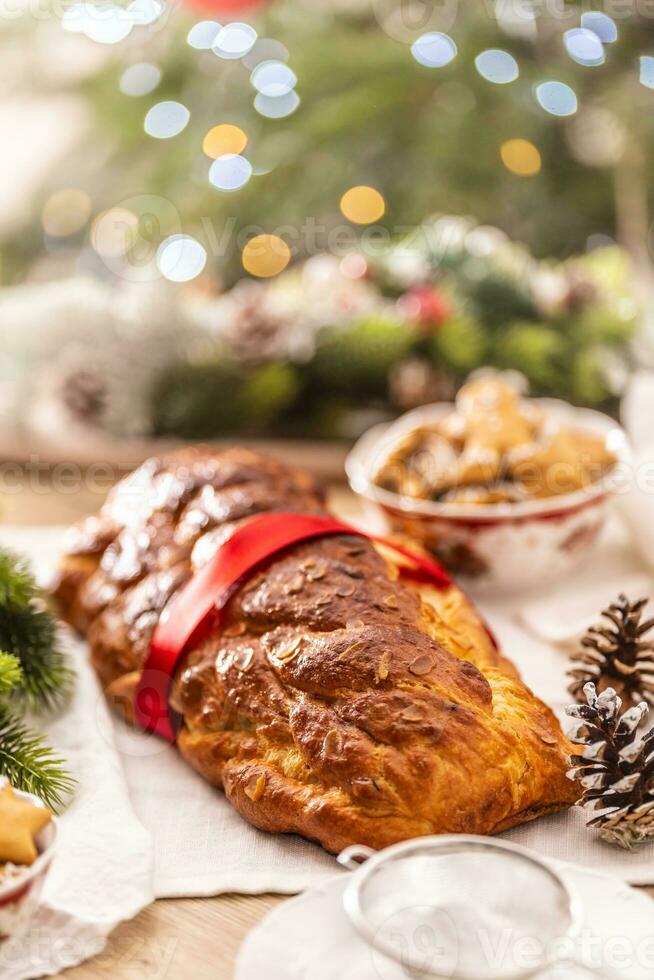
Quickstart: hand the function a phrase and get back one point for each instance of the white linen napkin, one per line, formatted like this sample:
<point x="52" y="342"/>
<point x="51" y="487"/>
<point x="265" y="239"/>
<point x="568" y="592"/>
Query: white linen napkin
<point x="311" y="938"/>
<point x="637" y="497"/>
<point x="102" y="872"/>
<point x="202" y="847"/>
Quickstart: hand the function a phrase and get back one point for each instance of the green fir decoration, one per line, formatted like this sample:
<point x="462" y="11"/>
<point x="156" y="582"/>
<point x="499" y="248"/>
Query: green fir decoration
<point x="29" y="632"/>
<point x="34" y="676"/>
<point x="10" y="673"/>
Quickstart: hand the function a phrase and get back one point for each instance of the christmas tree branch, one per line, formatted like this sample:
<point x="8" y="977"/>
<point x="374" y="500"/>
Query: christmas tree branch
<point x="29" y="762"/>
<point x="29" y="632"/>
<point x="10" y="672"/>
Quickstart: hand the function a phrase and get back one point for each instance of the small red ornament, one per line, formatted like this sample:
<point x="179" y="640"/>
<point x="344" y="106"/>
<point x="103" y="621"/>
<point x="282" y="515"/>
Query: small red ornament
<point x="425" y="305"/>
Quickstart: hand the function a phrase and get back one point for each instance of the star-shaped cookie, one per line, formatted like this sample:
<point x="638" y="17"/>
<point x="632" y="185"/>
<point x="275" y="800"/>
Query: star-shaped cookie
<point x="20" y="821"/>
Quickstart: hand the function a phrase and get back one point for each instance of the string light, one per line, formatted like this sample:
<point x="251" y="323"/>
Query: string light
<point x="181" y="258"/>
<point x="234" y="41"/>
<point x="521" y="157"/>
<point x="601" y="24"/>
<point x="144" y="12"/>
<point x="108" y="23"/>
<point x="139" y="79"/>
<point x="222" y="139"/>
<point x="166" y="119"/>
<point x="647" y="71"/>
<point x="362" y="205"/>
<point x="265" y="256"/>
<point x="273" y="78"/>
<point x="202" y="35"/>
<point x="230" y="172"/>
<point x="265" y="49"/>
<point x="434" y="50"/>
<point x="277" y="108"/>
<point x="354" y="266"/>
<point x="497" y="66"/>
<point x="596" y="137"/>
<point x="557" y="98"/>
<point x="74" y="18"/>
<point x="584" y="47"/>
<point x="108" y="26"/>
<point x="65" y="212"/>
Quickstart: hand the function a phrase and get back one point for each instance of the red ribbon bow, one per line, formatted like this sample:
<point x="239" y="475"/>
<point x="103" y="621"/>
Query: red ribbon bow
<point x="201" y="602"/>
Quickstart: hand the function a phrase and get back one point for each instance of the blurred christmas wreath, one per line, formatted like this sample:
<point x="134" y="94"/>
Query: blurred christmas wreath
<point x="322" y="350"/>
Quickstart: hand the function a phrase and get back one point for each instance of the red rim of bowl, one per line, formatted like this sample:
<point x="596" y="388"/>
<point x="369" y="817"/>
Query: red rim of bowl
<point x="33" y="871"/>
<point x="359" y="469"/>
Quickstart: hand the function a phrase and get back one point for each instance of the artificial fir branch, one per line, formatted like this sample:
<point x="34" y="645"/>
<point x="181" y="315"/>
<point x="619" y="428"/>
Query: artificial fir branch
<point x="10" y="672"/>
<point x="29" y="762"/>
<point x="28" y="631"/>
<point x="33" y="676"/>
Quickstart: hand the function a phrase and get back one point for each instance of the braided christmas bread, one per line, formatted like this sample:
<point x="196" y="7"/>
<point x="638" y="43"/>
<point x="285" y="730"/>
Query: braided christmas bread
<point x="336" y="700"/>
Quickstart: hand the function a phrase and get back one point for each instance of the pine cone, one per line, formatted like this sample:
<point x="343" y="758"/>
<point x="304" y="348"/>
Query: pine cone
<point x="615" y="768"/>
<point x="84" y="395"/>
<point x="617" y="655"/>
<point x="256" y="334"/>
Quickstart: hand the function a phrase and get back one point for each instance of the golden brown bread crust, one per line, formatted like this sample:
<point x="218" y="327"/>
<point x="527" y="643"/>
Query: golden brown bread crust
<point x="336" y="700"/>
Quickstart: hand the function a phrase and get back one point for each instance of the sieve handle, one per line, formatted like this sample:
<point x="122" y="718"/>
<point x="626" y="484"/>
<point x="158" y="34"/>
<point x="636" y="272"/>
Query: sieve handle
<point x="354" y="855"/>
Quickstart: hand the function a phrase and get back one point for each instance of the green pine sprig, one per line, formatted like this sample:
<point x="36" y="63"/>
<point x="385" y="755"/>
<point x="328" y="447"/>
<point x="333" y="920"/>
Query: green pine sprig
<point x="10" y="672"/>
<point x="29" y="632"/>
<point x="29" y="762"/>
<point x="34" y="676"/>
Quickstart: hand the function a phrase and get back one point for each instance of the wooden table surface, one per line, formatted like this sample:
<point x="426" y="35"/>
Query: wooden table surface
<point x="173" y="939"/>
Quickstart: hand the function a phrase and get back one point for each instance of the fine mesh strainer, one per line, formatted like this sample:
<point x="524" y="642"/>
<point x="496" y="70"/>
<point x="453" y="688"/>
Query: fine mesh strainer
<point x="461" y="907"/>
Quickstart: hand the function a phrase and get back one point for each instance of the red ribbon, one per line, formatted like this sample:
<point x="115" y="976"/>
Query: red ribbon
<point x="200" y="603"/>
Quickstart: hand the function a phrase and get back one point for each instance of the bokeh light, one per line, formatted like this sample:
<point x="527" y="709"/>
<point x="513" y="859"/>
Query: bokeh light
<point x="497" y="66"/>
<point x="230" y="172"/>
<point x="584" y="47"/>
<point x="139" y="79"/>
<point x="234" y="40"/>
<point x="74" y="18"/>
<point x="108" y="24"/>
<point x="354" y="265"/>
<point x="224" y="138"/>
<point x="601" y="24"/>
<point x="647" y="70"/>
<point x="143" y="12"/>
<point x="181" y="258"/>
<point x="521" y="157"/>
<point x="265" y="256"/>
<point x="265" y="49"/>
<point x="65" y="212"/>
<point x="362" y="205"/>
<point x="202" y="35"/>
<point x="596" y="137"/>
<point x="434" y="50"/>
<point x="166" y="119"/>
<point x="273" y="78"/>
<point x="557" y="98"/>
<point x="276" y="108"/>
<point x="114" y="232"/>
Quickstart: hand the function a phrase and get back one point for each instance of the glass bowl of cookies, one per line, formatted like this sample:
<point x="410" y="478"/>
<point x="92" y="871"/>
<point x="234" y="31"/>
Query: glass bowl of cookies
<point x="28" y="833"/>
<point x="504" y="490"/>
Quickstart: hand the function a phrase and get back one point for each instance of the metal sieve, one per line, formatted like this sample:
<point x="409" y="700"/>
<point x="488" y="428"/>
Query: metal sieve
<point x="460" y="907"/>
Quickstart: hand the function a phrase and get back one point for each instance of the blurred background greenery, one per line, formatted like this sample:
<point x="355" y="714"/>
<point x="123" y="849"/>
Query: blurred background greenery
<point x="545" y="269"/>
